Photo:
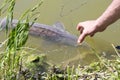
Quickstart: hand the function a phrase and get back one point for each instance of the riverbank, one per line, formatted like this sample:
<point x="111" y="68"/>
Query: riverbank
<point x="38" y="69"/>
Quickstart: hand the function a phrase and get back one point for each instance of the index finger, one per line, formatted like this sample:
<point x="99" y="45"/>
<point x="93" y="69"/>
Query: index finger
<point x="81" y="38"/>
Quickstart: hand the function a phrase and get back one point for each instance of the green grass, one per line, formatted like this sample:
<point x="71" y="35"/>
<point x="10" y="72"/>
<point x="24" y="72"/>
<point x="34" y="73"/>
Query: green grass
<point x="16" y="39"/>
<point x="104" y="69"/>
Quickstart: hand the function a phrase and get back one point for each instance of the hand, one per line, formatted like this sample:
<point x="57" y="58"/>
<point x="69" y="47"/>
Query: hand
<point x="88" y="28"/>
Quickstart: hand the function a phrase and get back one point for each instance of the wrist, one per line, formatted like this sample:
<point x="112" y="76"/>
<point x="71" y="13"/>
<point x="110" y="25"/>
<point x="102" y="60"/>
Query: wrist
<point x="100" y="25"/>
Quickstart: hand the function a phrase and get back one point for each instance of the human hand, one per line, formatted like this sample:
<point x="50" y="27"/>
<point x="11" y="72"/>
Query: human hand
<point x="88" y="28"/>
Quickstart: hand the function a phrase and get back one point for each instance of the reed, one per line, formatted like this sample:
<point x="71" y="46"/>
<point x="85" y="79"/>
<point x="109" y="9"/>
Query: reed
<point x="16" y="39"/>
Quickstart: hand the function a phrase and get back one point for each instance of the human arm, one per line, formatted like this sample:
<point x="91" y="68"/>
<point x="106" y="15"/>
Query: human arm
<point x="111" y="14"/>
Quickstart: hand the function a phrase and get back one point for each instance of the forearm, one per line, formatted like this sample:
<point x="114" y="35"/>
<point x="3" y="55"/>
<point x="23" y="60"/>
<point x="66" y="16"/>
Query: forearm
<point x="111" y="14"/>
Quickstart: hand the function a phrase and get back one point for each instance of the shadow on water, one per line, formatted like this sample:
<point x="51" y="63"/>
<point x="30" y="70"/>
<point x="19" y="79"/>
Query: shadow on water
<point x="63" y="54"/>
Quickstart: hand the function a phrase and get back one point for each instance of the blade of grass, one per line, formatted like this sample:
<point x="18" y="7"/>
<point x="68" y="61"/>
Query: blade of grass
<point x="115" y="50"/>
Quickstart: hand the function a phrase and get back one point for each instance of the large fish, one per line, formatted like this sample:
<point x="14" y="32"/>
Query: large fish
<point x="55" y="33"/>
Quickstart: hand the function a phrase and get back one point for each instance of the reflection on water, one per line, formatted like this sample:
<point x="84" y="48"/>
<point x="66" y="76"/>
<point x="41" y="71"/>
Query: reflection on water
<point x="70" y="12"/>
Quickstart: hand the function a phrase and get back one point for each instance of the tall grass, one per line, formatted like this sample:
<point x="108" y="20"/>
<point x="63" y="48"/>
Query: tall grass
<point x="11" y="58"/>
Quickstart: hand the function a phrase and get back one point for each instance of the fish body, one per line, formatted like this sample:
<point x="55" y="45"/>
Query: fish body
<point x="55" y="33"/>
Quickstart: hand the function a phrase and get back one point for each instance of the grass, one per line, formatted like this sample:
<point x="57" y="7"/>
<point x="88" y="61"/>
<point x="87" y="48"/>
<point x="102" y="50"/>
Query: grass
<point x="11" y="60"/>
<point x="93" y="71"/>
<point x="104" y="69"/>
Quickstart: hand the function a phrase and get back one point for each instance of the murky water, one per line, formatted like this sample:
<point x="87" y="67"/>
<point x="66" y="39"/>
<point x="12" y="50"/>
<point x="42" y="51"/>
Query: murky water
<point x="71" y="12"/>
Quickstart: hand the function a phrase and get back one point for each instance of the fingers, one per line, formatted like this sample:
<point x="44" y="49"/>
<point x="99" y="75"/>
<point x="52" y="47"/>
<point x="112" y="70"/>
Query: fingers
<point x="81" y="37"/>
<point x="86" y="28"/>
<point x="92" y="34"/>
<point x="80" y="28"/>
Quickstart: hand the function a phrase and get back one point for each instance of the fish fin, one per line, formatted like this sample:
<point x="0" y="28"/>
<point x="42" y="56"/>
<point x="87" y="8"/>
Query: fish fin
<point x="59" y="25"/>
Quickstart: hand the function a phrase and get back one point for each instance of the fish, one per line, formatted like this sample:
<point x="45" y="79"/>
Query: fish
<point x="55" y="33"/>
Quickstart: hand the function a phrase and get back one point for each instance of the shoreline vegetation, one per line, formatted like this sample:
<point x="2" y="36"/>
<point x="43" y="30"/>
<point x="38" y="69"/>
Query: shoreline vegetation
<point x="14" y="65"/>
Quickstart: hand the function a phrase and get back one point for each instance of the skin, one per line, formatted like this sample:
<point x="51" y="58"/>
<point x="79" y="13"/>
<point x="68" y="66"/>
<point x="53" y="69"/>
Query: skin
<point x="90" y="27"/>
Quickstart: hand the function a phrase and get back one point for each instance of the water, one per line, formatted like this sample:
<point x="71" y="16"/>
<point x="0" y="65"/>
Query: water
<point x="70" y="12"/>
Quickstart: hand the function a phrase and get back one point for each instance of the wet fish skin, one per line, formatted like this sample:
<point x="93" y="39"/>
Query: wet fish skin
<point x="55" y="33"/>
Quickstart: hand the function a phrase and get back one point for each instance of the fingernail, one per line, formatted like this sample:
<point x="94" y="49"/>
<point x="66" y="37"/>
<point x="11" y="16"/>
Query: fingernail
<point x="78" y="41"/>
